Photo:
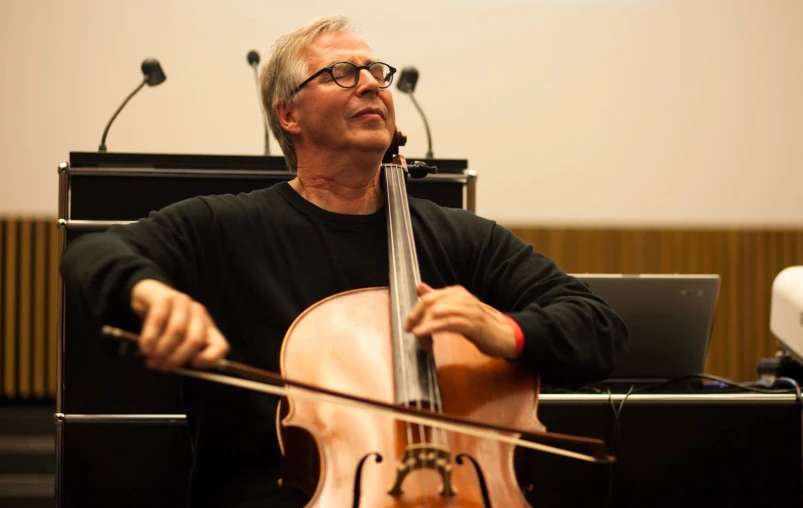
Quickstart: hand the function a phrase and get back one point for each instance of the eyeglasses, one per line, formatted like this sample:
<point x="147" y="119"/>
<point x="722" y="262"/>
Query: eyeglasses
<point x="347" y="75"/>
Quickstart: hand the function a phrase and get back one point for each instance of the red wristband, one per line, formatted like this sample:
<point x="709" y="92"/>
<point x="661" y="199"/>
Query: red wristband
<point x="518" y="334"/>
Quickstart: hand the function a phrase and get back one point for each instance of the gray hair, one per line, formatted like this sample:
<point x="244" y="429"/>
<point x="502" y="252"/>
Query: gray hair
<point x="283" y="71"/>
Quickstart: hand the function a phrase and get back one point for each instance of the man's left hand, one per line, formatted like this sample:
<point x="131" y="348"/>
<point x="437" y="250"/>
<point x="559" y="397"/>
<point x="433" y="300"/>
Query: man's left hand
<point x="454" y="309"/>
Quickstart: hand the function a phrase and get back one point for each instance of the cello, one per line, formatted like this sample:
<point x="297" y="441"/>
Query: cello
<point x="354" y="342"/>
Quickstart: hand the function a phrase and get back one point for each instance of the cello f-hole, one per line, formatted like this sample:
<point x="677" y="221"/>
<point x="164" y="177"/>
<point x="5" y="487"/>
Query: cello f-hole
<point x="358" y="477"/>
<point x="480" y="477"/>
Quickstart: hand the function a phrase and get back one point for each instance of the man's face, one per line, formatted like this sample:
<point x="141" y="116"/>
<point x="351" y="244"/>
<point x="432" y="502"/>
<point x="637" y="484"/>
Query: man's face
<point x="331" y="119"/>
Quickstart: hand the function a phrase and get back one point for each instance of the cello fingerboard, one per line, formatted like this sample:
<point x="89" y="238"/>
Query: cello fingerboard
<point x="415" y="375"/>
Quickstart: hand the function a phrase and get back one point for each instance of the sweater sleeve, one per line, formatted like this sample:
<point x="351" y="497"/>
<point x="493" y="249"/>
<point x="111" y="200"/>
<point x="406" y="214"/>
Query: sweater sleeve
<point x="100" y="269"/>
<point x="571" y="337"/>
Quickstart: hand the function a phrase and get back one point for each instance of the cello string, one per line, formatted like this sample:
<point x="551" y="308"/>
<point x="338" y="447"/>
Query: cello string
<point x="437" y="437"/>
<point x="399" y="182"/>
<point x="436" y="395"/>
<point x="395" y="175"/>
<point x="397" y="298"/>
<point x="433" y="390"/>
<point x="401" y="187"/>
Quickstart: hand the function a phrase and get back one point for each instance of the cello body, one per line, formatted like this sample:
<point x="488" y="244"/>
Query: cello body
<point x="342" y="343"/>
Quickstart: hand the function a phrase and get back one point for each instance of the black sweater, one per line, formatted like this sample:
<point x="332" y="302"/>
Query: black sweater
<point x="257" y="260"/>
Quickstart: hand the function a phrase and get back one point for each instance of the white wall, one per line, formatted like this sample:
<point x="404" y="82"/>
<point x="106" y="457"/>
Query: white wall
<point x="637" y="112"/>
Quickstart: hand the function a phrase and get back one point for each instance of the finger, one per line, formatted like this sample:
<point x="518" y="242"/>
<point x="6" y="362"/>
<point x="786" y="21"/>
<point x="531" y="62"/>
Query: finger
<point x="426" y="291"/>
<point x="155" y="321"/>
<point x="446" y="307"/>
<point x="217" y="347"/>
<point x="194" y="340"/>
<point x="174" y="333"/>
<point x="423" y="288"/>
<point x="427" y="296"/>
<point x="458" y="316"/>
<point x="455" y="324"/>
<point x="414" y="316"/>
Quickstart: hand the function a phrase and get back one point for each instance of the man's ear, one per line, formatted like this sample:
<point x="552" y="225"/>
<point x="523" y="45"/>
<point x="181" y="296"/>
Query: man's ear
<point x="286" y="113"/>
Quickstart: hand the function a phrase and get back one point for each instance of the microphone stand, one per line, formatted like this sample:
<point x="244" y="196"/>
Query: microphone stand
<point x="407" y="82"/>
<point x="259" y="100"/>
<point x="426" y="125"/>
<point x="102" y="147"/>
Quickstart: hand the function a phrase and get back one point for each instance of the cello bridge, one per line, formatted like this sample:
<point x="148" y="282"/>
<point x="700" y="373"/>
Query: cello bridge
<point x="425" y="456"/>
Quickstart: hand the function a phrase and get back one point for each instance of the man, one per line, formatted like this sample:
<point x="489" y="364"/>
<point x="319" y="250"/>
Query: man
<point x="226" y="275"/>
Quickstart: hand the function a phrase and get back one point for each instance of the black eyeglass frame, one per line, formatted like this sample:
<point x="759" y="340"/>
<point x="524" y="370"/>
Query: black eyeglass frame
<point x="357" y="78"/>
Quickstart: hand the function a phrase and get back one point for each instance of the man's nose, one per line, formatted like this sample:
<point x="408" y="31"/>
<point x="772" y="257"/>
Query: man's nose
<point x="367" y="82"/>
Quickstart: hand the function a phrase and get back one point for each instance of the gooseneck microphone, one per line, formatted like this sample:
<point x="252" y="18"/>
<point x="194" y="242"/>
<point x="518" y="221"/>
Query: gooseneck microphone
<point x="253" y="61"/>
<point x="407" y="82"/>
<point x="154" y="75"/>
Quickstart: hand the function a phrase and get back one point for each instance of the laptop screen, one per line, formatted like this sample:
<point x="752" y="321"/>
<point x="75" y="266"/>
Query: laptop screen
<point x="670" y="318"/>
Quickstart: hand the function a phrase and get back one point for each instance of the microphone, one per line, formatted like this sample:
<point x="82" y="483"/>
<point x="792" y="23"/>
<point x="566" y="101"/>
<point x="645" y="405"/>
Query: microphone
<point x="253" y="61"/>
<point x="407" y="82"/>
<point x="154" y="75"/>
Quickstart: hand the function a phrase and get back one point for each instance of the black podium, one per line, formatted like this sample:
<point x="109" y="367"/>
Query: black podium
<point x="121" y="438"/>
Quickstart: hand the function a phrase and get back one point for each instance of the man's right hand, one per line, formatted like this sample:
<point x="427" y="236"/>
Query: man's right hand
<point x="176" y="329"/>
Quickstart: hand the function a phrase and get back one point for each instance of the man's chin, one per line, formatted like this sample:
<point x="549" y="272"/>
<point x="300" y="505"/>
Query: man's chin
<point x="378" y="142"/>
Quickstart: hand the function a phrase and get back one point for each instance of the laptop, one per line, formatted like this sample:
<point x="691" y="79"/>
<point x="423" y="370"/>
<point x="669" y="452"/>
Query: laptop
<point x="670" y="318"/>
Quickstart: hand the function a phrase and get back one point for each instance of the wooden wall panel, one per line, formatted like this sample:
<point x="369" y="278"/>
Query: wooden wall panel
<point x="10" y="302"/>
<point x="52" y="308"/>
<point x="747" y="261"/>
<point x="29" y="284"/>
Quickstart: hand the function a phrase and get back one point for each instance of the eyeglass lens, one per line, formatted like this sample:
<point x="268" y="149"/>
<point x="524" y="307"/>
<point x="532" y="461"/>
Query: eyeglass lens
<point x="346" y="73"/>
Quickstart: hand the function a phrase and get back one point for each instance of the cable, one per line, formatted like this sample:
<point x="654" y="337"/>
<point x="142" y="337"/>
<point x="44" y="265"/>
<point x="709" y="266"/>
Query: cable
<point x="613" y="444"/>
<point x="747" y="387"/>
<point x="614" y="438"/>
